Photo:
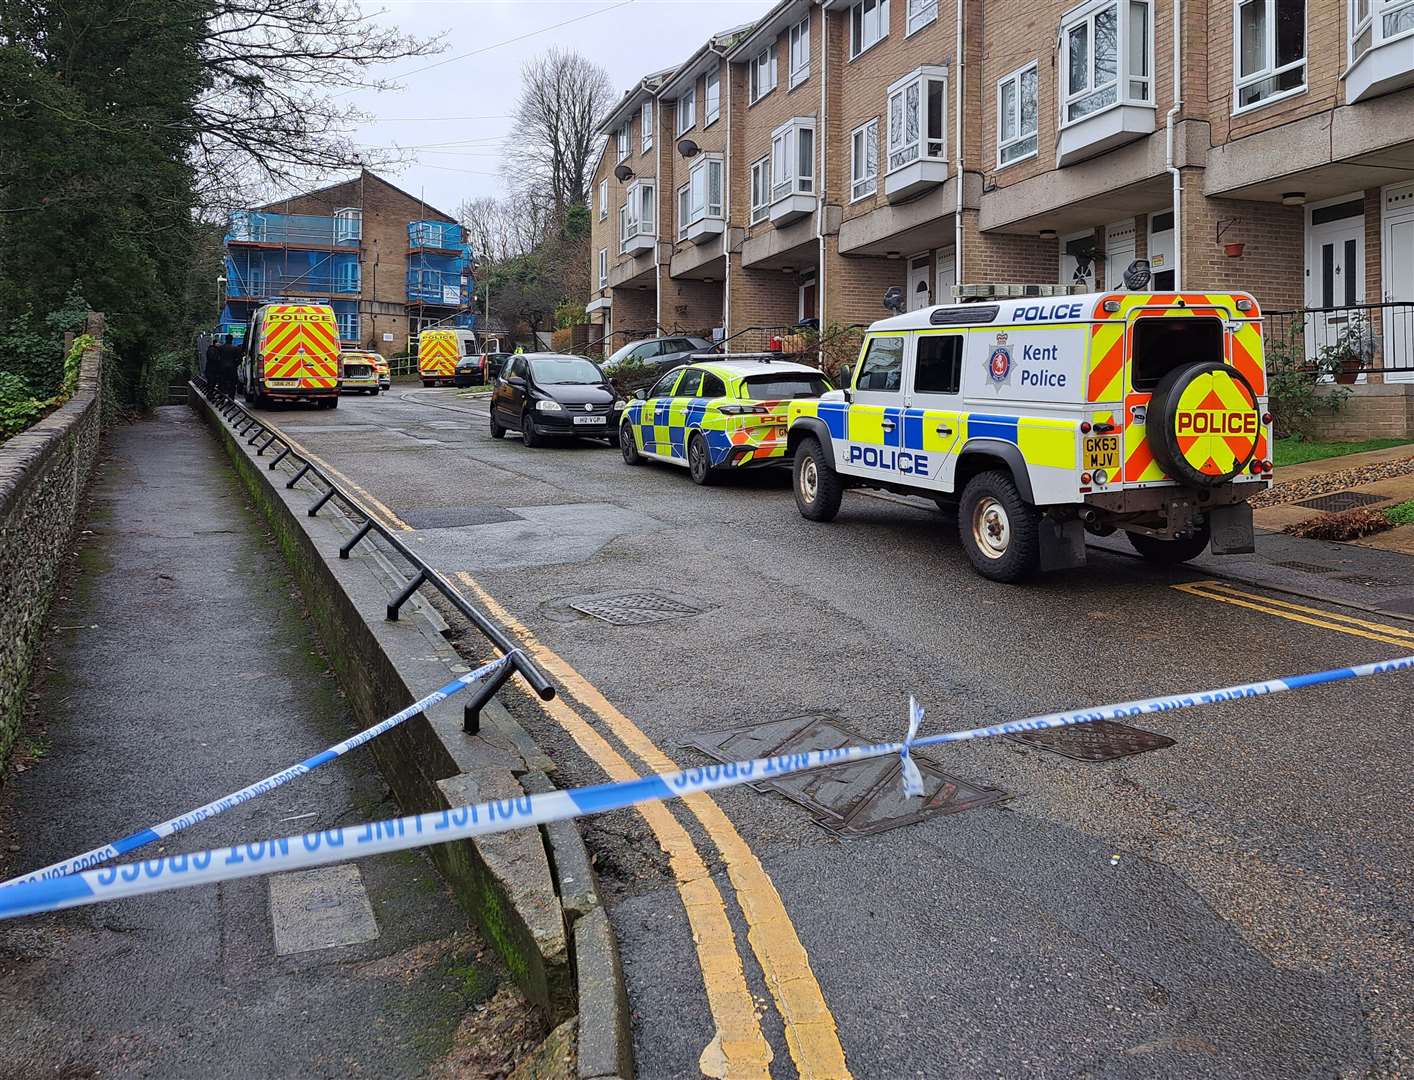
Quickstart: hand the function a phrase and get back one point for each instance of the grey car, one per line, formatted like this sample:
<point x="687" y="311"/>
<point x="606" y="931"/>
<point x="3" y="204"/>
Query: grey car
<point x="659" y="354"/>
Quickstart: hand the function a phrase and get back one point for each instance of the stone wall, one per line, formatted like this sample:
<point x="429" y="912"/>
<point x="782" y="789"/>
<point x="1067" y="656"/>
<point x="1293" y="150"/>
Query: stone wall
<point x="43" y="472"/>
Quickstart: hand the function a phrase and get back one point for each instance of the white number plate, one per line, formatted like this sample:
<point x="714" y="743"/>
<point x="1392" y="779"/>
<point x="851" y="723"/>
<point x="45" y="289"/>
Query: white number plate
<point x="590" y="419"/>
<point x="283" y="382"/>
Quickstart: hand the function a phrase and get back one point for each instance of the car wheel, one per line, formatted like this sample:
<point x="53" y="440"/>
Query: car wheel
<point x="497" y="431"/>
<point x="331" y="403"/>
<point x="527" y="431"/>
<point x="818" y="488"/>
<point x="627" y="446"/>
<point x="1000" y="530"/>
<point x="1170" y="552"/>
<point x="699" y="461"/>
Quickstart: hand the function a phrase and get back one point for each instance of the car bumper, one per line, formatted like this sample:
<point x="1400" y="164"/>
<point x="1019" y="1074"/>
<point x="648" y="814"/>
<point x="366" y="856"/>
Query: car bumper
<point x="385" y="382"/>
<point x="748" y="453"/>
<point x="564" y="424"/>
<point x="358" y="384"/>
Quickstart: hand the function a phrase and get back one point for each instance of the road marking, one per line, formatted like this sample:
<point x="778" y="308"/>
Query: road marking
<point x="1283" y="609"/>
<point x="809" y="1025"/>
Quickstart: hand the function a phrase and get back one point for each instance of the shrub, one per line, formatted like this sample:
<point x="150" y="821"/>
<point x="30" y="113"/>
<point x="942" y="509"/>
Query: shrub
<point x="1401" y="513"/>
<point x="1292" y="384"/>
<point x="1346" y="525"/>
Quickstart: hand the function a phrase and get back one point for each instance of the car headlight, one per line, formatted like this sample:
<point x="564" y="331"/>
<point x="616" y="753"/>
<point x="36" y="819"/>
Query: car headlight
<point x="549" y="406"/>
<point x="619" y="405"/>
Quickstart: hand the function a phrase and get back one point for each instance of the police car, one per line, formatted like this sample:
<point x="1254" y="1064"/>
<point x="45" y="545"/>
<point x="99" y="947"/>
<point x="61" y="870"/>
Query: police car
<point x="1043" y="413"/>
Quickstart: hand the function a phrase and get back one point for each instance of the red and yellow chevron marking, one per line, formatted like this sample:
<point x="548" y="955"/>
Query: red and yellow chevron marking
<point x="302" y="342"/>
<point x="1139" y="464"/>
<point x="1105" y="381"/>
<point x="437" y="353"/>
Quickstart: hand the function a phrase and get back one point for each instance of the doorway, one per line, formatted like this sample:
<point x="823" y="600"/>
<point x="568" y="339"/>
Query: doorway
<point x="1335" y="270"/>
<point x="920" y="293"/>
<point x="1119" y="253"/>
<point x="1397" y="280"/>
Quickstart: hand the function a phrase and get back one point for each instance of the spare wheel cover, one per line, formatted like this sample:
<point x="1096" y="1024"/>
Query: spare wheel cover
<point x="1204" y="423"/>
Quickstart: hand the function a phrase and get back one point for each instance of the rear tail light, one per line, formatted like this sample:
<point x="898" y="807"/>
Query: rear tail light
<point x="743" y="410"/>
<point x="1085" y="427"/>
<point x="1266" y="418"/>
<point x="1085" y="478"/>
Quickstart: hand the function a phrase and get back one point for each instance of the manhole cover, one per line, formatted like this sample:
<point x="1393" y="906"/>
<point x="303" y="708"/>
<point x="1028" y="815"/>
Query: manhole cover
<point x="1370" y="582"/>
<point x="1308" y="567"/>
<point x="856" y="799"/>
<point x="451" y="517"/>
<point x="1099" y="740"/>
<point x="1342" y="500"/>
<point x="635" y="608"/>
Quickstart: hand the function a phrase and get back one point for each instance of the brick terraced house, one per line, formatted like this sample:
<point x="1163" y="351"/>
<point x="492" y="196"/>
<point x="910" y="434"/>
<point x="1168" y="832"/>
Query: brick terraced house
<point x="793" y="169"/>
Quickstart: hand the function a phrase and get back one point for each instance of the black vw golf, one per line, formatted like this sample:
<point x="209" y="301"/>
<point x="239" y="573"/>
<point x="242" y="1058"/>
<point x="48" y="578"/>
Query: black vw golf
<point x="544" y="394"/>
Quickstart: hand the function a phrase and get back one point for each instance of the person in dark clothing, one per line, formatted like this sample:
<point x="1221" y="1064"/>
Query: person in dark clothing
<point x="212" y="371"/>
<point x="230" y="360"/>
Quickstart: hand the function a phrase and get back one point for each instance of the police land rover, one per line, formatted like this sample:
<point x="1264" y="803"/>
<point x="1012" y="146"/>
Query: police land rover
<point x="1042" y="413"/>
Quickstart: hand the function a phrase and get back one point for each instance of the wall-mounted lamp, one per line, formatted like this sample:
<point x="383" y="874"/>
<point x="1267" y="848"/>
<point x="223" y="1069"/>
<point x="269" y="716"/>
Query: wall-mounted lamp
<point x="1293" y="198"/>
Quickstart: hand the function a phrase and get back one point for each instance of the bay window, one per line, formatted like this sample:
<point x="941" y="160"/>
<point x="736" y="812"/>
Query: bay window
<point x="800" y="52"/>
<point x="793" y="158"/>
<point x="687" y="111"/>
<point x="700" y="209"/>
<point x="712" y="97"/>
<point x="762" y="76"/>
<point x="918" y="117"/>
<point x="1373" y="22"/>
<point x="645" y="125"/>
<point x="864" y="160"/>
<point x="1380" y="48"/>
<point x="1269" y="51"/>
<point x="636" y="218"/>
<point x="868" y="25"/>
<point x="920" y="14"/>
<point x="684" y="200"/>
<point x="760" y="190"/>
<point x="1016" y="116"/>
<point x="1106" y="58"/>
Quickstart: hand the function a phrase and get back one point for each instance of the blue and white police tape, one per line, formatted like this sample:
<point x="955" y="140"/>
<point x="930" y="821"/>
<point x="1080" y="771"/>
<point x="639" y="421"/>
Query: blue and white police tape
<point x="138" y="839"/>
<point x="480" y="819"/>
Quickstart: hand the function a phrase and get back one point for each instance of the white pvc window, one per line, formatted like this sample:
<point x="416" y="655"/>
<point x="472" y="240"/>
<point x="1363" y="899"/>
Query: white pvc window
<point x="1017" y="115"/>
<point x="1374" y="22"/>
<point x="622" y="137"/>
<point x="348" y="325"/>
<point x="864" y="160"/>
<point x="687" y="111"/>
<point x="1269" y="51"/>
<point x="348" y="224"/>
<point x="800" y="52"/>
<point x="1106" y="58"/>
<point x="760" y="190"/>
<point x="762" y="76"/>
<point x="704" y="181"/>
<point x="711" y="97"/>
<point x="793" y="158"/>
<point x="920" y="14"/>
<point x="645" y="127"/>
<point x="636" y="214"/>
<point x="868" y="25"/>
<point x="684" y="209"/>
<point x="603" y="199"/>
<point x="603" y="267"/>
<point x="918" y="117"/>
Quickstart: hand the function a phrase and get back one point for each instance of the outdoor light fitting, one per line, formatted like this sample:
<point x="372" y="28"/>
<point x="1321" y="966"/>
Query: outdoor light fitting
<point x="1047" y="234"/>
<point x="1293" y="198"/>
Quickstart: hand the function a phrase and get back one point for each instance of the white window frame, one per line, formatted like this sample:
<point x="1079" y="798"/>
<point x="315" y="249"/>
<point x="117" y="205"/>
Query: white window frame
<point x="760" y="190"/>
<point x="1374" y="23"/>
<point x="1269" y="42"/>
<point x="684" y="200"/>
<point x="918" y="149"/>
<point x="687" y="111"/>
<point x="638" y="213"/>
<point x="863" y="16"/>
<point x="348" y="224"/>
<point x="862" y="182"/>
<point x="645" y="126"/>
<point x="762" y="76"/>
<point x="799" y="52"/>
<point x="920" y="14"/>
<point x="699" y="185"/>
<point x="349" y="320"/>
<point x="790" y="179"/>
<point x="604" y="199"/>
<point x="1021" y="136"/>
<point x="711" y="97"/>
<point x="1125" y="74"/>
<point x="603" y="268"/>
<point x="621" y="135"/>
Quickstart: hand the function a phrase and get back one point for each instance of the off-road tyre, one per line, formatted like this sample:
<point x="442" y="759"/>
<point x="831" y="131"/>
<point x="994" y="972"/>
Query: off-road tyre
<point x="999" y="530"/>
<point x="699" y="461"/>
<point x="818" y="488"/>
<point x="1170" y="552"/>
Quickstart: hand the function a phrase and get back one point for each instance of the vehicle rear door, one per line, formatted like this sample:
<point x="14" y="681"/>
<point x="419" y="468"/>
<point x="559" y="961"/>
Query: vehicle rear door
<point x="933" y="415"/>
<point x="874" y="420"/>
<point x="688" y="389"/>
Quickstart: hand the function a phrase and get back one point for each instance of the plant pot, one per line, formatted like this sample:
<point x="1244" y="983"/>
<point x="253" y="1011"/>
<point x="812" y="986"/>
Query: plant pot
<point x="1348" y="372"/>
<point x="1233" y="251"/>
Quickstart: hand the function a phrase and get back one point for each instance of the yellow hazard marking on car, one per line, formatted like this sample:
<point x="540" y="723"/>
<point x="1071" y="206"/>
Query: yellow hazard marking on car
<point x="1301" y="613"/>
<point x="1217" y="424"/>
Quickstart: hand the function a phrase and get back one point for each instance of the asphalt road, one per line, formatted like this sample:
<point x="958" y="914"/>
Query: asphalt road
<point x="1237" y="904"/>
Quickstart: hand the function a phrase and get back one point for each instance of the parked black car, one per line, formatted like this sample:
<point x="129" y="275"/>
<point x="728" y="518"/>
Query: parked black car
<point x="659" y="354"/>
<point x="491" y="365"/>
<point x="543" y="394"/>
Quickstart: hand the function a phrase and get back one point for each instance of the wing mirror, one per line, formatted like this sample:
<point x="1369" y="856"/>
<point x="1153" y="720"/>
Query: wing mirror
<point x="640" y="395"/>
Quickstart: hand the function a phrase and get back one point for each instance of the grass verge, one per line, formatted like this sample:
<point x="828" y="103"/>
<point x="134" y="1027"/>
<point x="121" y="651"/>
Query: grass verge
<point x="1294" y="451"/>
<point x="1401" y="513"/>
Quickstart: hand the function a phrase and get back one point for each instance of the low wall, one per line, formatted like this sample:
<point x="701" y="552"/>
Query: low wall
<point x="1372" y="411"/>
<point x="43" y="473"/>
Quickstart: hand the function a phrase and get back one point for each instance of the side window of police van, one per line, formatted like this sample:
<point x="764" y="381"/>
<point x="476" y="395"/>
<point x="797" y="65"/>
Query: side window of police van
<point x="664" y="386"/>
<point x="691" y="385"/>
<point x="882" y="367"/>
<point x="937" y="368"/>
<point x="712" y="386"/>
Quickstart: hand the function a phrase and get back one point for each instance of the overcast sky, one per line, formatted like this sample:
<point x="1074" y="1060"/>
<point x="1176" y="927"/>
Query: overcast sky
<point x="456" y="114"/>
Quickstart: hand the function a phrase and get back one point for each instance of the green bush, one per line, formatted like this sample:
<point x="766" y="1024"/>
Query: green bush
<point x="19" y="407"/>
<point x="1292" y="393"/>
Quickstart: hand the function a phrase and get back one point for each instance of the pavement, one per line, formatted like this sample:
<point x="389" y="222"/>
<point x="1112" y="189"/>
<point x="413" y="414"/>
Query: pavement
<point x="1238" y="904"/>
<point x="180" y="668"/>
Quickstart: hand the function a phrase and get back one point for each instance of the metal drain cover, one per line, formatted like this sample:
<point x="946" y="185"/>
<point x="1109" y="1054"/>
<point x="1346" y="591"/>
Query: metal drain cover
<point x="1308" y="567"/>
<point x="1099" y="740"/>
<point x="1371" y="582"/>
<point x="635" y="608"/>
<point x="452" y="517"/>
<point x="856" y="799"/>
<point x="1342" y="500"/>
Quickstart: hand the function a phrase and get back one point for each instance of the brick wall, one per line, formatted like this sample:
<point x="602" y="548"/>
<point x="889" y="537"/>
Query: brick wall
<point x="690" y="306"/>
<point x="1273" y="239"/>
<point x="43" y="472"/>
<point x="854" y="287"/>
<point x="1373" y="411"/>
<point x="634" y="314"/>
<point x="762" y="297"/>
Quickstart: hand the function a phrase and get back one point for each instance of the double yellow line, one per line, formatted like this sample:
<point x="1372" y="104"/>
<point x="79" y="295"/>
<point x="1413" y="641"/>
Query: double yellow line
<point x="740" y="1048"/>
<point x="1301" y="613"/>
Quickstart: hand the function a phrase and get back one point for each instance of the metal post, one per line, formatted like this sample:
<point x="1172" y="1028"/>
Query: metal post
<point x="314" y="510"/>
<point x="402" y="597"/>
<point x="279" y="458"/>
<point x="299" y="475"/>
<point x="482" y="693"/>
<point x="260" y="430"/>
<point x="260" y="450"/>
<point x="363" y="530"/>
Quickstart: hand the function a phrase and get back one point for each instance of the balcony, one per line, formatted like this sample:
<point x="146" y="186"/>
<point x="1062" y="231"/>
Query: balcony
<point x="1382" y="46"/>
<point x="442" y="287"/>
<point x="260" y="229"/>
<point x="442" y="236"/>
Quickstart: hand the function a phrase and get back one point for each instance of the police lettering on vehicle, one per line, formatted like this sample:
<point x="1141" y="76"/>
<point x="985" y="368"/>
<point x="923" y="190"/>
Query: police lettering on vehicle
<point x="883" y="457"/>
<point x="1047" y="313"/>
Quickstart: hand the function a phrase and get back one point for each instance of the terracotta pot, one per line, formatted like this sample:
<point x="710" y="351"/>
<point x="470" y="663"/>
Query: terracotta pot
<point x="1233" y="251"/>
<point x="1348" y="373"/>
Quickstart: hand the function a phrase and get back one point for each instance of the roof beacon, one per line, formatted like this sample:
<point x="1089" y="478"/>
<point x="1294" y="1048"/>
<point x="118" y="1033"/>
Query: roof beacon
<point x="1002" y="291"/>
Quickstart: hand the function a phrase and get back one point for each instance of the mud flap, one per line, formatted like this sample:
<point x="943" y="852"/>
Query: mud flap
<point x="1062" y="543"/>
<point x="1231" y="529"/>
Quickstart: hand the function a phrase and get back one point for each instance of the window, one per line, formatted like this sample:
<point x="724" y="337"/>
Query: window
<point x="1016" y="116"/>
<point x="347" y="278"/>
<point x="784" y="386"/>
<point x="760" y="190"/>
<point x="684" y="209"/>
<point x="800" y="52"/>
<point x="712" y="386"/>
<point x="763" y="73"/>
<point x="938" y="367"/>
<point x="645" y="127"/>
<point x="687" y="111"/>
<point x="864" y="160"/>
<point x="917" y="117"/>
<point x="348" y="325"/>
<point x="920" y="14"/>
<point x="711" y="97"/>
<point x="636" y="215"/>
<point x="793" y="158"/>
<point x="1373" y="22"/>
<point x="664" y="386"/>
<point x="622" y="137"/>
<point x="1160" y="345"/>
<point x="691" y="384"/>
<point x="883" y="365"/>
<point x="1105" y="58"/>
<point x="348" y="224"/>
<point x="868" y="25"/>
<point x="1269" y="47"/>
<point x="704" y="182"/>
<point x="603" y="267"/>
<point x="603" y="199"/>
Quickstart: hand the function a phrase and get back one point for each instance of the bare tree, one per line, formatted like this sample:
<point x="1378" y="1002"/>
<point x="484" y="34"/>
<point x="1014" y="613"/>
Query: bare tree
<point x="562" y="97"/>
<point x="502" y="228"/>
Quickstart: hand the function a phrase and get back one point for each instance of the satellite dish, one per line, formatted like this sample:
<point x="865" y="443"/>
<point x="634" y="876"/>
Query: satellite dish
<point x="893" y="299"/>
<point x="1137" y="275"/>
<point x="622" y="173"/>
<point x="688" y="148"/>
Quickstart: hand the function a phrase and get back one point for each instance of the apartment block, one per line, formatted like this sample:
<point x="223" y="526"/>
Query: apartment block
<point x="387" y="263"/>
<point x="1265" y="145"/>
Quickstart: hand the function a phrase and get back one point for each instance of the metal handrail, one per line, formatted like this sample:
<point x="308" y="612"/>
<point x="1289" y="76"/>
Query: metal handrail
<point x="243" y="421"/>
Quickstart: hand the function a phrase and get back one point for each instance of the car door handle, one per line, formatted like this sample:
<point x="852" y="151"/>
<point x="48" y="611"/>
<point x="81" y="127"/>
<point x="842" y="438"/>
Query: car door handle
<point x="889" y="425"/>
<point x="943" y="429"/>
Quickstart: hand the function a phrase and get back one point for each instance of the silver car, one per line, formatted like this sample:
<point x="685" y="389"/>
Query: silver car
<point x="659" y="354"/>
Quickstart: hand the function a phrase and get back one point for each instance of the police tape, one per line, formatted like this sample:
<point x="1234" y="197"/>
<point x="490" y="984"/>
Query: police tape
<point x="146" y="836"/>
<point x="481" y="819"/>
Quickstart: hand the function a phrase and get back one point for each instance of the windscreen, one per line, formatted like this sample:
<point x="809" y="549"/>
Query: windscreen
<point x="557" y="370"/>
<point x="788" y="384"/>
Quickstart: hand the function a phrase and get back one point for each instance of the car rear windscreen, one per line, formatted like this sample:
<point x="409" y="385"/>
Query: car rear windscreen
<point x="1162" y="344"/>
<point x="794" y="384"/>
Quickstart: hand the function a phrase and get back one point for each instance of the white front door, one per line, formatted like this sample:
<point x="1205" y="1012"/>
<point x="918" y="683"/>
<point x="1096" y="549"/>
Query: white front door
<point x="1161" y="260"/>
<point x="1397" y="281"/>
<point x="1335" y="270"/>
<point x="1119" y="253"/>
<point x="1077" y="263"/>
<point x="919" y="289"/>
<point x="947" y="275"/>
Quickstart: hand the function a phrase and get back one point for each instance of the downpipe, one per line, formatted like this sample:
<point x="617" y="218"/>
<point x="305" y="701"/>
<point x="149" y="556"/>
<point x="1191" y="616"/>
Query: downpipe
<point x="1170" y="163"/>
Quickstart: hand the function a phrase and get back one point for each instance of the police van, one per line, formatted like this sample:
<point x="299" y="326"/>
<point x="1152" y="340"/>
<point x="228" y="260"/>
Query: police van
<point x="1042" y="413"/>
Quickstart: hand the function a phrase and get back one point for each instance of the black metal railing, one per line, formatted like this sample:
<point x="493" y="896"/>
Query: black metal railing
<point x="1347" y="340"/>
<point x="243" y="423"/>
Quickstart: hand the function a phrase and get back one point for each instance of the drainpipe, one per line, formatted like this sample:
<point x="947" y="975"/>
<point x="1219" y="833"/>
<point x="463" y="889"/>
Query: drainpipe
<point x="657" y="211"/>
<point x="823" y="142"/>
<point x="727" y="165"/>
<point x="957" y="126"/>
<point x="1169" y="124"/>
